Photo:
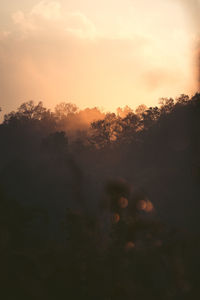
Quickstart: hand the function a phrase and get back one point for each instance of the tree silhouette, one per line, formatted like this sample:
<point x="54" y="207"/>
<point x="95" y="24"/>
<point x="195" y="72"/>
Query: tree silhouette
<point x="104" y="208"/>
<point x="63" y="110"/>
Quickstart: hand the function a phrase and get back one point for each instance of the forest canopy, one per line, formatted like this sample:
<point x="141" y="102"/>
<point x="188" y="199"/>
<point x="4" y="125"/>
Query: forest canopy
<point x="97" y="205"/>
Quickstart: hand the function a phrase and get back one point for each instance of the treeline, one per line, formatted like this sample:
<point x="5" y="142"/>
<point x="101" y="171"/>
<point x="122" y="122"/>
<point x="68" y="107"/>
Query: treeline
<point x="100" y="205"/>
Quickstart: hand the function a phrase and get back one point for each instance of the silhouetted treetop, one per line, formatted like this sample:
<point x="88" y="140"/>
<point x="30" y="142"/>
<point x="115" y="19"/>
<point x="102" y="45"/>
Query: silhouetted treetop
<point x="64" y="109"/>
<point x="28" y="111"/>
<point x="100" y="205"/>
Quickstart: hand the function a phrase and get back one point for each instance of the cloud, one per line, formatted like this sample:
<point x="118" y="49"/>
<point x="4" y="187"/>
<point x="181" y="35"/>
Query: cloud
<point x="193" y="11"/>
<point x="77" y="23"/>
<point x="49" y="10"/>
<point x="48" y="15"/>
<point x="155" y="78"/>
<point x="56" y="55"/>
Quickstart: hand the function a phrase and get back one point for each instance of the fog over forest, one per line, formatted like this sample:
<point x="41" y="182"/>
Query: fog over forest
<point x="98" y="205"/>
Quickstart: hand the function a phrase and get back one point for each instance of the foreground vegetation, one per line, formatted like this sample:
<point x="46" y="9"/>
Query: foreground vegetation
<point x="100" y="206"/>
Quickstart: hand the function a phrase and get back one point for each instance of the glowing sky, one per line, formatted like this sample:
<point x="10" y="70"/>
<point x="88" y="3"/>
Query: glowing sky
<point x="106" y="53"/>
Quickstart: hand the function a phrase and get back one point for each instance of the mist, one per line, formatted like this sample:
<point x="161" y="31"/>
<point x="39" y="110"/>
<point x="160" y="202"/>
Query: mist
<point x="88" y="199"/>
<point x="53" y="54"/>
<point x="99" y="175"/>
<point x="192" y="10"/>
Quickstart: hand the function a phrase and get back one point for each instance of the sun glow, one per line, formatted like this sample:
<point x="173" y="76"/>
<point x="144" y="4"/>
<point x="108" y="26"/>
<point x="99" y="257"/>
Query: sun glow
<point x="53" y="51"/>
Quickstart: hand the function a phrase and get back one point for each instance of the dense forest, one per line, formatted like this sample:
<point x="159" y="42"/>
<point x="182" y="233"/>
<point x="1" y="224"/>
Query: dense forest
<point x="100" y="206"/>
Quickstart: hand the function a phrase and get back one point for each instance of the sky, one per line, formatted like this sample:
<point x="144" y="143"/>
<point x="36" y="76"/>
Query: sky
<point x="106" y="53"/>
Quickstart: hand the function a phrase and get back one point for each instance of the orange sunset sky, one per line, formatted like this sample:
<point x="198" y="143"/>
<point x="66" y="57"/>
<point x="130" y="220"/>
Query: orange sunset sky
<point x="106" y="53"/>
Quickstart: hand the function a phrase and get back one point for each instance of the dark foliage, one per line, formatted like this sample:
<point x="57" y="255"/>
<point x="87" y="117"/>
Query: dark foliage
<point x="106" y="211"/>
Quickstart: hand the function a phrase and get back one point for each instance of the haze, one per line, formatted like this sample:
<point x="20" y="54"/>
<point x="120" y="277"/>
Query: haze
<point x="94" y="53"/>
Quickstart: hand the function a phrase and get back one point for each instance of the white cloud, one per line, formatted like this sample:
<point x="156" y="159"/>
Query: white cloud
<point x="50" y="10"/>
<point x="77" y="23"/>
<point x="52" y="54"/>
<point x="48" y="15"/>
<point x="24" y="23"/>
